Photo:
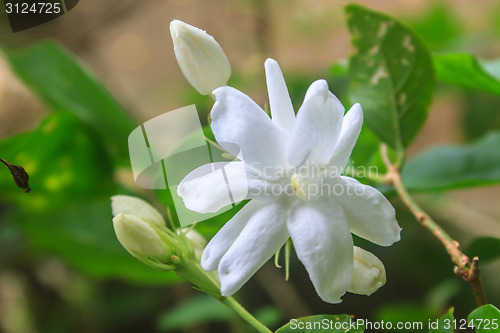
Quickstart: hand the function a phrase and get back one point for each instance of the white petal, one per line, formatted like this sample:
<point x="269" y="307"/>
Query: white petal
<point x="263" y="235"/>
<point x="369" y="273"/>
<point x="369" y="214"/>
<point x="134" y="206"/>
<point x="204" y="190"/>
<point x="237" y="120"/>
<point x="317" y="127"/>
<point x="323" y="243"/>
<point x="279" y="98"/>
<point x="222" y="241"/>
<point x="351" y="127"/>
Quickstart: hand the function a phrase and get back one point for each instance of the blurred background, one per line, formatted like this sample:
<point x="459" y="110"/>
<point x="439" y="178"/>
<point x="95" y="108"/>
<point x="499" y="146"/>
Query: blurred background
<point x="62" y="269"/>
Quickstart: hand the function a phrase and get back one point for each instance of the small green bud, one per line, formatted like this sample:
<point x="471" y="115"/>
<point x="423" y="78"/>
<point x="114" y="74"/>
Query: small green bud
<point x="369" y="273"/>
<point x="140" y="239"/>
<point x="196" y="240"/>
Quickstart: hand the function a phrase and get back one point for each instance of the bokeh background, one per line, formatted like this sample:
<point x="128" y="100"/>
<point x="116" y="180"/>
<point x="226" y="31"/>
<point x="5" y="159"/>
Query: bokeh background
<point x="50" y="284"/>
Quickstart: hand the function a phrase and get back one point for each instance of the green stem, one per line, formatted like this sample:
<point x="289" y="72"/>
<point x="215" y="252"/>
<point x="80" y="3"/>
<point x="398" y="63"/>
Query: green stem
<point x="205" y="282"/>
<point x="243" y="313"/>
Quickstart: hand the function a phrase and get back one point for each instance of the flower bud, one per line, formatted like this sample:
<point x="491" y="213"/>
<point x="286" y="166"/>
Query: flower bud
<point x="369" y="273"/>
<point x="197" y="241"/>
<point x="134" y="206"/>
<point x="200" y="57"/>
<point x="140" y="239"/>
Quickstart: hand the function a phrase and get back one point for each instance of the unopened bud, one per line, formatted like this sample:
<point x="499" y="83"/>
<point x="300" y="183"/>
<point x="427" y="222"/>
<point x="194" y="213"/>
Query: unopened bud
<point x="369" y="273"/>
<point x="140" y="239"/>
<point x="134" y="206"/>
<point x="197" y="241"/>
<point x="200" y="57"/>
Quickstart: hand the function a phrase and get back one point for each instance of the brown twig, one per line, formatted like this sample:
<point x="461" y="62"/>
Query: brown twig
<point x="467" y="270"/>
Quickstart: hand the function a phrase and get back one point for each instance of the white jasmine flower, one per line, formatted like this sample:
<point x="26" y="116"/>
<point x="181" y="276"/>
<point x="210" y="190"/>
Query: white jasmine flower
<point x="200" y="57"/>
<point x="291" y="169"/>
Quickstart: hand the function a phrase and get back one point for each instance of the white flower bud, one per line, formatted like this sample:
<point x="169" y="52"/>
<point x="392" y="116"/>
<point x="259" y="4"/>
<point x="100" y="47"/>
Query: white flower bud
<point x="369" y="273"/>
<point x="196" y="239"/>
<point x="140" y="239"/>
<point x="134" y="206"/>
<point x="200" y="57"/>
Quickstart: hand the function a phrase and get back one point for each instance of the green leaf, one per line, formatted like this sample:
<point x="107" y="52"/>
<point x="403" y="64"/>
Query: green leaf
<point x="486" y="319"/>
<point x="195" y="311"/>
<point x="65" y="161"/>
<point x="322" y="323"/>
<point x="443" y="324"/>
<point x="479" y="113"/>
<point x="486" y="248"/>
<point x="391" y="74"/>
<point x="465" y="70"/>
<point x="453" y="166"/>
<point x="83" y="236"/>
<point x="64" y="85"/>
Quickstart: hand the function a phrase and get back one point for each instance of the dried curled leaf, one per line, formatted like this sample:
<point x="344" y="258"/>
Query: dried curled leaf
<point x="21" y="177"/>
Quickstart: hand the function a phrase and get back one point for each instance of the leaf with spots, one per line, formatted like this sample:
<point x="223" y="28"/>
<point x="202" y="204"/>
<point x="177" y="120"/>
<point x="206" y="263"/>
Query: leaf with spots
<point x="391" y="75"/>
<point x="66" y="162"/>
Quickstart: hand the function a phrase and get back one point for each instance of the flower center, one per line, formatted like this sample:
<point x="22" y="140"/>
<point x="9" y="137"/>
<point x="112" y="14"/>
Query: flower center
<point x="307" y="183"/>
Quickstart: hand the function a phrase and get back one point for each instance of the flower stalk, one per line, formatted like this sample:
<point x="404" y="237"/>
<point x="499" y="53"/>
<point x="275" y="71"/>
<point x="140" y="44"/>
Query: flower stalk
<point x="467" y="270"/>
<point x="243" y="313"/>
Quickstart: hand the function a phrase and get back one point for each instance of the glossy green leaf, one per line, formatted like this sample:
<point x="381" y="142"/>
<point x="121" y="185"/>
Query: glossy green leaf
<point x="453" y="166"/>
<point x="486" y="248"/>
<point x="466" y="71"/>
<point x="65" y="85"/>
<point x="323" y="323"/>
<point x="83" y="236"/>
<point x="486" y="319"/>
<point x="65" y="162"/>
<point x="443" y="324"/>
<point x="391" y="75"/>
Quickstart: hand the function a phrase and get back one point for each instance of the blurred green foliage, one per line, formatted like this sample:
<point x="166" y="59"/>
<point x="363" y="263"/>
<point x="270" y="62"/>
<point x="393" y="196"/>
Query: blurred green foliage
<point x="64" y="85"/>
<point x="75" y="153"/>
